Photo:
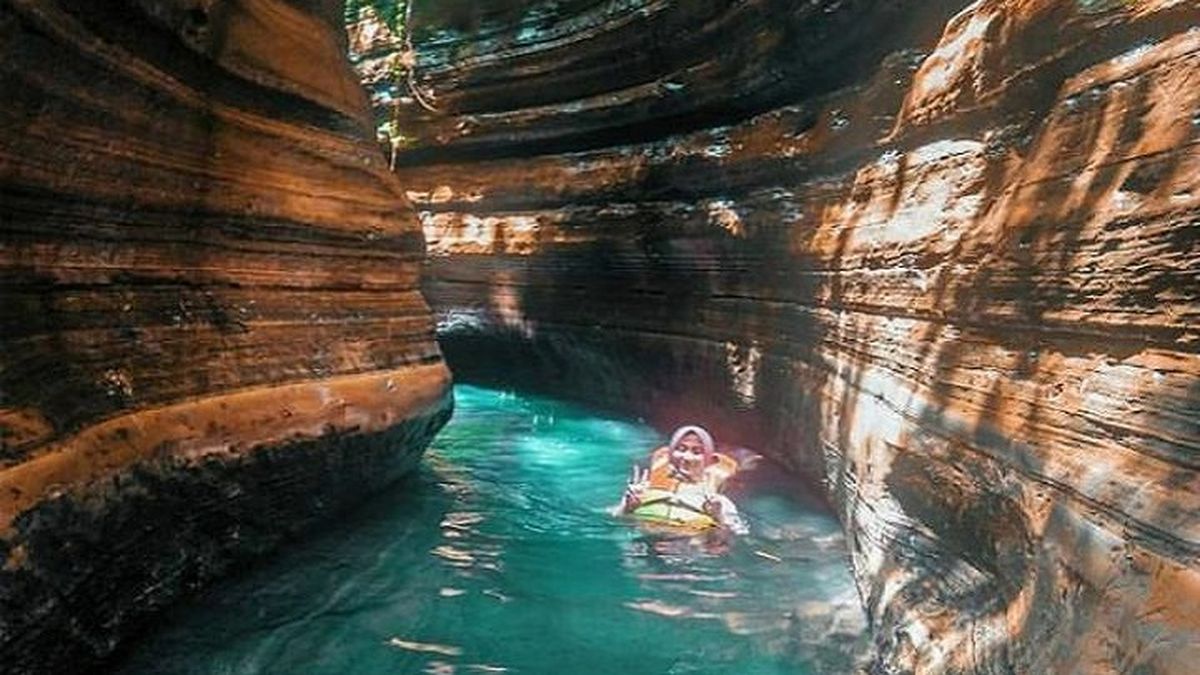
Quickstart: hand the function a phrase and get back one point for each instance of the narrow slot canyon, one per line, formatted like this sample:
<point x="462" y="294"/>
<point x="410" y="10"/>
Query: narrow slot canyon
<point x="937" y="261"/>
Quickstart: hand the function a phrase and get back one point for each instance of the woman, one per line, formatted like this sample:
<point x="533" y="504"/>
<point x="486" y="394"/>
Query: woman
<point x="682" y="486"/>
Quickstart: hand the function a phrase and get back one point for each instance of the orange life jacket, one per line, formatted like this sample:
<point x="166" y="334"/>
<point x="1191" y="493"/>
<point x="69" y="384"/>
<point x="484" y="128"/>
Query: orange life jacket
<point x="663" y="477"/>
<point x="669" y="498"/>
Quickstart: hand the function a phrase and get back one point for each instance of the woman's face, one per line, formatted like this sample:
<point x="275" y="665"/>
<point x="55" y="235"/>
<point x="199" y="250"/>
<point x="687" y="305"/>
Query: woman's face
<point x="688" y="456"/>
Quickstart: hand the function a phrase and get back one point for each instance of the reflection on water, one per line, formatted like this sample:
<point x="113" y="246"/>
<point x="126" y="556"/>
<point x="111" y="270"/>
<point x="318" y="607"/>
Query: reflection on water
<point x="499" y="556"/>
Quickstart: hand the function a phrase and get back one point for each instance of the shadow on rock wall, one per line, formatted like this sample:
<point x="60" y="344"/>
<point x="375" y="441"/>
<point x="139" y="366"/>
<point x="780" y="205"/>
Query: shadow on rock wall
<point x="961" y="292"/>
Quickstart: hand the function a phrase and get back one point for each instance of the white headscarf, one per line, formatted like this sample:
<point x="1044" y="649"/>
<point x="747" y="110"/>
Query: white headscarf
<point x="706" y="438"/>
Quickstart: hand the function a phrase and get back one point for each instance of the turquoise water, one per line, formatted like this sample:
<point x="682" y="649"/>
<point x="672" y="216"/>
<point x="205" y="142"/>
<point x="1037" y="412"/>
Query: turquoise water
<point x="499" y="556"/>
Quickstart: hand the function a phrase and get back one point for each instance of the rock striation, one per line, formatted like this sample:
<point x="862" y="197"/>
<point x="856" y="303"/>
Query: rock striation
<point x="940" y="256"/>
<point x="212" y="334"/>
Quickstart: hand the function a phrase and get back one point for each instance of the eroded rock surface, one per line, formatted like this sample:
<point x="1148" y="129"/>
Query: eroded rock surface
<point x="941" y="256"/>
<point x="211" y="334"/>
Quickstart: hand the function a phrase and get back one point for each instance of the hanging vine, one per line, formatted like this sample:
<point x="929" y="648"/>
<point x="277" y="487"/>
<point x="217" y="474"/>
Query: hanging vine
<point x="397" y="16"/>
<point x="409" y="61"/>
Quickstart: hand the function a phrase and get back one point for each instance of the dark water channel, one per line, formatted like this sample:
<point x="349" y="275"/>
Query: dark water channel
<point x="499" y="556"/>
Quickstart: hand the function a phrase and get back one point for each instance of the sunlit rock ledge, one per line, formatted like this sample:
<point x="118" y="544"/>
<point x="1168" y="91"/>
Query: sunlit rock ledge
<point x="212" y="334"/>
<point x="954" y="279"/>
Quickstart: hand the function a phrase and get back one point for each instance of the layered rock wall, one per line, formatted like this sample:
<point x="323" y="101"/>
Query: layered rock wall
<point x="212" y="333"/>
<point x="942" y="257"/>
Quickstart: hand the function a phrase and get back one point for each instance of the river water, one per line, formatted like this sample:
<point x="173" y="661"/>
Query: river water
<point x="499" y="556"/>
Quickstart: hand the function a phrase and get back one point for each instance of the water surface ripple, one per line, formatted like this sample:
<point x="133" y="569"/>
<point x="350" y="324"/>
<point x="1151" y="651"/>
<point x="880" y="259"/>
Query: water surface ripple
<point x="499" y="556"/>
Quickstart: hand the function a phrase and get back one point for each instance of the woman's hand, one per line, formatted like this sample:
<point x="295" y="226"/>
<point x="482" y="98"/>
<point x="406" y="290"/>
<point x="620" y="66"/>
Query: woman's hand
<point x="639" y="480"/>
<point x="723" y="510"/>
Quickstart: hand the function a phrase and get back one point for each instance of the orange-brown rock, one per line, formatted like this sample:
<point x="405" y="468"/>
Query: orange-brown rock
<point x="955" y="278"/>
<point x="212" y="333"/>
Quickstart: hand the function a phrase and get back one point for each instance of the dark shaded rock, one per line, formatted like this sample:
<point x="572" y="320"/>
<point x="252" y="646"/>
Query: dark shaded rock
<point x="212" y="334"/>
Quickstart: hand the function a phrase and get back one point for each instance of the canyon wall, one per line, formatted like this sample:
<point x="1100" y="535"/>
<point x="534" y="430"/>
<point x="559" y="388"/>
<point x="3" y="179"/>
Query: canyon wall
<point x="212" y="333"/>
<point x="940" y="257"/>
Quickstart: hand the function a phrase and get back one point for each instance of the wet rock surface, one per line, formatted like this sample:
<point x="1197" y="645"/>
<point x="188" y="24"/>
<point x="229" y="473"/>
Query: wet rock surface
<point x="211" y="335"/>
<point x="953" y="277"/>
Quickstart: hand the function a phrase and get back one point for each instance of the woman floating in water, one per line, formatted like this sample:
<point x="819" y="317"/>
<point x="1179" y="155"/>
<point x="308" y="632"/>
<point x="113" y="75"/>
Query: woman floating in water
<point x="681" y="489"/>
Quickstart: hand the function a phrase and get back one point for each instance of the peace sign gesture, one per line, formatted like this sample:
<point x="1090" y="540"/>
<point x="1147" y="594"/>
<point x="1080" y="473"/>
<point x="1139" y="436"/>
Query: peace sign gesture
<point x="639" y="480"/>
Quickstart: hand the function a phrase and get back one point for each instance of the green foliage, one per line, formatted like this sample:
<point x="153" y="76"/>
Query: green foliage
<point x="391" y="11"/>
